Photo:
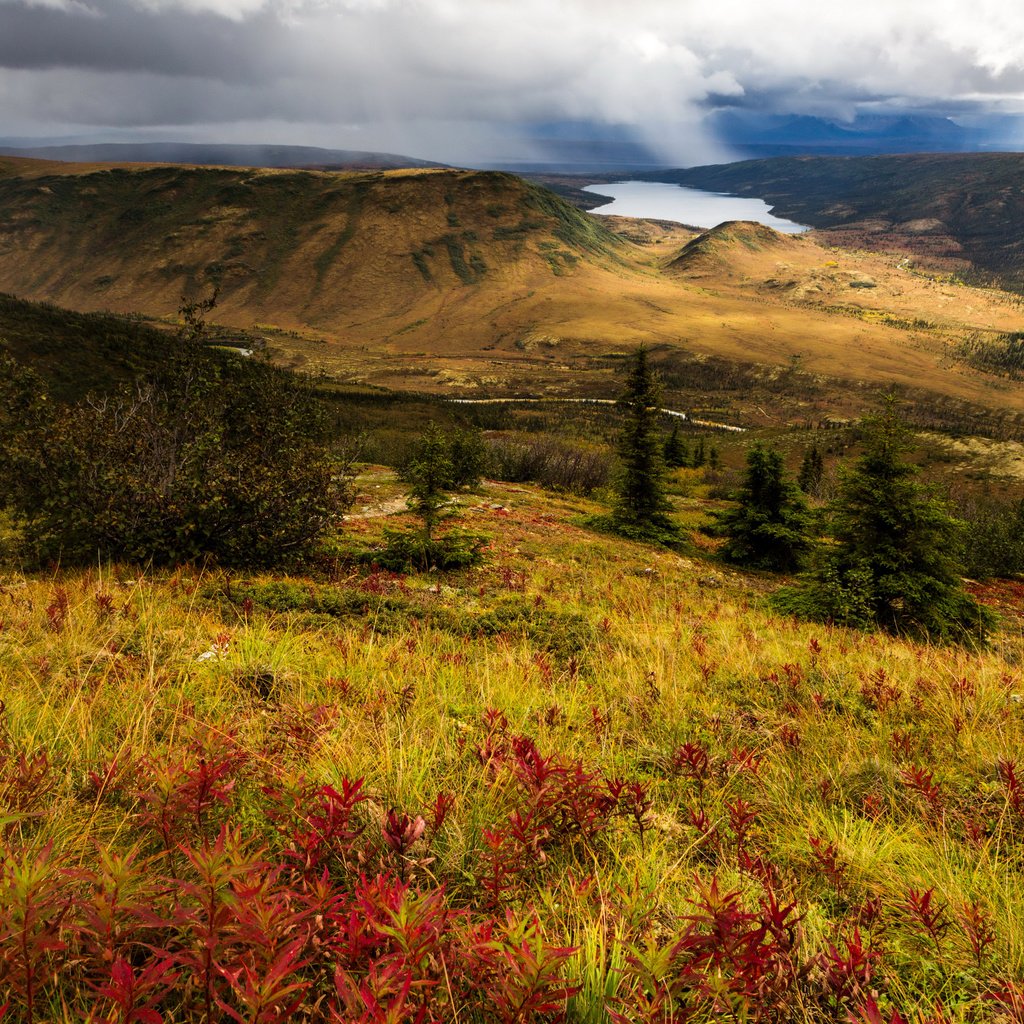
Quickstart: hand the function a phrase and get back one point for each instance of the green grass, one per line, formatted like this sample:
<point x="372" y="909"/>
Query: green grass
<point x="604" y="651"/>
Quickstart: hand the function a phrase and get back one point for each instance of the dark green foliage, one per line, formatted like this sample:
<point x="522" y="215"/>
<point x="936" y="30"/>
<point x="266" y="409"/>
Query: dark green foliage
<point x="439" y="464"/>
<point x="994" y="539"/>
<point x="210" y="456"/>
<point x="566" y="634"/>
<point x="467" y="457"/>
<point x="641" y="508"/>
<point x="713" y="459"/>
<point x="406" y="550"/>
<point x="894" y="564"/>
<point x="453" y="457"/>
<point x="812" y="469"/>
<point x="699" y="454"/>
<point x="769" y="528"/>
<point x="78" y="352"/>
<point x="675" y="452"/>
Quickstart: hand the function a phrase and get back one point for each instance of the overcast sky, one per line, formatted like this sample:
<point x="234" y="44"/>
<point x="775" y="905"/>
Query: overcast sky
<point x="462" y="80"/>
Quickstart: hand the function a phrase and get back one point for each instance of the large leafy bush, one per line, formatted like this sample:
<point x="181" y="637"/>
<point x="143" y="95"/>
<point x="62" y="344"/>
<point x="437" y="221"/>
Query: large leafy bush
<point x="210" y="456"/>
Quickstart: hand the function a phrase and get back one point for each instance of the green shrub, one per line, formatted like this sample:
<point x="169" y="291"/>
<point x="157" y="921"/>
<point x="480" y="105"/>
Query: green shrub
<point x="564" y="634"/>
<point x="405" y="550"/>
<point x="211" y="456"/>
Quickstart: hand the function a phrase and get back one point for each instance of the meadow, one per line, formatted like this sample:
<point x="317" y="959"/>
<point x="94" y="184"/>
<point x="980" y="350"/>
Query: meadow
<point x="587" y="780"/>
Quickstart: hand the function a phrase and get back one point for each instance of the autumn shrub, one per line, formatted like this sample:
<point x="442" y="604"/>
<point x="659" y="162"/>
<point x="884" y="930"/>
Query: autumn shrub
<point x="551" y="462"/>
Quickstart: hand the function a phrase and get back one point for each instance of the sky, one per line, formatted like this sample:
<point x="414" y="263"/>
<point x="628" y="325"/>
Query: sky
<point x="470" y="81"/>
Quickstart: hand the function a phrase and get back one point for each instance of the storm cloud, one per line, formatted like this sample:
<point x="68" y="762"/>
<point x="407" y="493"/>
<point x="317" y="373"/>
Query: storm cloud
<point x="457" y="80"/>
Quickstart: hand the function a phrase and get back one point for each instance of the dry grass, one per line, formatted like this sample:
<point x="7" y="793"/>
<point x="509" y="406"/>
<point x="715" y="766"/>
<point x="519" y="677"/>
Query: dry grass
<point x="817" y="728"/>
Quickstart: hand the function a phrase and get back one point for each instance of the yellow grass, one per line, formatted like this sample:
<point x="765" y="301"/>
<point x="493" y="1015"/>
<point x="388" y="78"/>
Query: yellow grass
<point x="679" y="651"/>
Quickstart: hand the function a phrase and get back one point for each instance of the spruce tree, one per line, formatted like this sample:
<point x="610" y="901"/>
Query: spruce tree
<point x="894" y="564"/>
<point x="675" y="452"/>
<point x="769" y="528"/>
<point x="429" y="475"/>
<point x="641" y="508"/>
<point x="812" y="469"/>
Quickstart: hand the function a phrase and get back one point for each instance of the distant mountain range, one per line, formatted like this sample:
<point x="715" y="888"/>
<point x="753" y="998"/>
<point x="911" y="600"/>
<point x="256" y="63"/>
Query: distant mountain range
<point x="216" y="154"/>
<point x="581" y="147"/>
<point x="765" y="135"/>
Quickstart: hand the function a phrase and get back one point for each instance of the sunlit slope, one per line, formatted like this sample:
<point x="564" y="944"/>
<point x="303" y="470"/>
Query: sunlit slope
<point x="379" y="274"/>
<point x="750" y="259"/>
<point x="298" y="248"/>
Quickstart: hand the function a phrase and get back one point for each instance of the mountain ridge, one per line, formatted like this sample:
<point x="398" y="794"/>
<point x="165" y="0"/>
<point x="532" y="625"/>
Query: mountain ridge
<point x="217" y="154"/>
<point x="962" y="211"/>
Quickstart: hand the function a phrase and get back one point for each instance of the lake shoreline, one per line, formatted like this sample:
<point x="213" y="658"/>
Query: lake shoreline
<point x="678" y="204"/>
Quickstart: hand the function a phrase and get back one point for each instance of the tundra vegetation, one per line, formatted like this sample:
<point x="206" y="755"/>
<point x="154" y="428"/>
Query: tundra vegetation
<point x="582" y="778"/>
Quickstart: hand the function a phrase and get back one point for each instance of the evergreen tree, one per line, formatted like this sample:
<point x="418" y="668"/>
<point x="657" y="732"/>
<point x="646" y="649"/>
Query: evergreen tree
<point x="641" y="508"/>
<point x="699" y="454"/>
<point x="895" y="562"/>
<point x="769" y="527"/>
<point x="713" y="461"/>
<point x="812" y="469"/>
<point x="675" y="452"/>
<point x="429" y="474"/>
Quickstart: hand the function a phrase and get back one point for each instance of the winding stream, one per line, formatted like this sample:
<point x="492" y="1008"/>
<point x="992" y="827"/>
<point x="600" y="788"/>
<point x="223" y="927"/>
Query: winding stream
<point x="597" y="401"/>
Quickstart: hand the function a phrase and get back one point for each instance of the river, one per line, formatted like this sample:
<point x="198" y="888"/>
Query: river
<point x="714" y="425"/>
<point x="659" y="200"/>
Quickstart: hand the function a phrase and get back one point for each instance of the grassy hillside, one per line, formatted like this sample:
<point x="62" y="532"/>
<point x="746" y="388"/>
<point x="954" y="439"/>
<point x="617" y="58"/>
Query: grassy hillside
<point x="297" y="247"/>
<point x="966" y="209"/>
<point x="469" y="283"/>
<point x="584" y="777"/>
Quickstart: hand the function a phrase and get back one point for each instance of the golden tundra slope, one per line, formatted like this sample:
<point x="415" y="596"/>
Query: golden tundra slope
<point x="378" y="274"/>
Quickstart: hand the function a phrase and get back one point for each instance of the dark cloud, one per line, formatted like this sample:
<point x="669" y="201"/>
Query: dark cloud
<point x="455" y="78"/>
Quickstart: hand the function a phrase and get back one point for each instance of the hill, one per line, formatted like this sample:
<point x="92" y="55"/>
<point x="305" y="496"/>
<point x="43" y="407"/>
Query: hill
<point x="217" y="154"/>
<point x="961" y="211"/>
<point x="78" y="352"/>
<point x="464" y="282"/>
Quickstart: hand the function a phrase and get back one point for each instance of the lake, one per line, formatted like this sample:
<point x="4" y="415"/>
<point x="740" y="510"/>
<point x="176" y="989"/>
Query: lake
<point x="659" y="200"/>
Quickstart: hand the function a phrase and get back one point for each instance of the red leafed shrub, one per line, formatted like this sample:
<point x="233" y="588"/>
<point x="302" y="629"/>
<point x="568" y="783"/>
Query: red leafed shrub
<point x="724" y="959"/>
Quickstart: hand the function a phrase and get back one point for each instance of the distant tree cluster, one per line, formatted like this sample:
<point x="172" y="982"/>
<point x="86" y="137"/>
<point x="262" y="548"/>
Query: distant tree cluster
<point x="677" y="454"/>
